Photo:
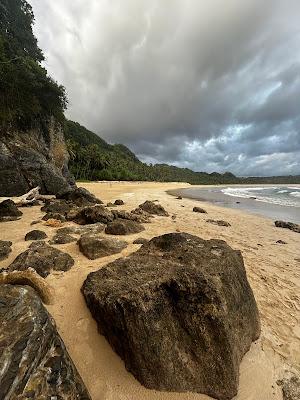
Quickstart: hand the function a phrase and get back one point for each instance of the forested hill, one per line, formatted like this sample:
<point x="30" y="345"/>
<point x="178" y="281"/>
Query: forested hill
<point x="94" y="159"/>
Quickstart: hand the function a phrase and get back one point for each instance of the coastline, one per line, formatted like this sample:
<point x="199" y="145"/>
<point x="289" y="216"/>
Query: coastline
<point x="272" y="270"/>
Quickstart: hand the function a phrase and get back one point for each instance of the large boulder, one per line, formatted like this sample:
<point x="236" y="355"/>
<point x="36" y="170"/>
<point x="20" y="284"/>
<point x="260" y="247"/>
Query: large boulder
<point x="141" y="216"/>
<point x="179" y="312"/>
<point x="79" y="196"/>
<point x="123" y="227"/>
<point x="153" y="208"/>
<point x="37" y="157"/>
<point x="288" y="225"/>
<point x="35" y="235"/>
<point x="34" y="363"/>
<point x="82" y="229"/>
<point x="92" y="215"/>
<point x="9" y="211"/>
<point x="62" y="238"/>
<point x="95" y="247"/>
<point x="5" y="249"/>
<point x="43" y="259"/>
<point x="58" y="206"/>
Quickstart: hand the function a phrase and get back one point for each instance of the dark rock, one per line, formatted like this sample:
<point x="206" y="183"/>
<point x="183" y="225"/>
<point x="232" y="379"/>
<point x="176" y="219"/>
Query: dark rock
<point x="179" y="312"/>
<point x="199" y="210"/>
<point x="288" y="225"/>
<point x="60" y="238"/>
<point x="35" y="235"/>
<point x="140" y="241"/>
<point x="79" y="196"/>
<point x="110" y="205"/>
<point x="290" y="388"/>
<point x="179" y="197"/>
<point x="92" y="215"/>
<point x="152" y="208"/>
<point x="140" y="217"/>
<point x="123" y="227"/>
<point x="9" y="209"/>
<point x="37" y="157"/>
<point x="43" y="259"/>
<point x="57" y="206"/>
<point x="119" y="202"/>
<point x="5" y="249"/>
<point x="281" y="242"/>
<point x="34" y="362"/>
<point x="237" y="202"/>
<point x="218" y="222"/>
<point x="95" y="247"/>
<point x="83" y="229"/>
<point x="57" y="216"/>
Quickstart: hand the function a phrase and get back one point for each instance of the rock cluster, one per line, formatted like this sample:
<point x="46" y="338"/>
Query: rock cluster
<point x="43" y="259"/>
<point x="179" y="312"/>
<point x="34" y="362"/>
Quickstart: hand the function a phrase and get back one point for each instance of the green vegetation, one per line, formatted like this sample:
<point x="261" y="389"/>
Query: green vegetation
<point x="94" y="159"/>
<point x="27" y="94"/>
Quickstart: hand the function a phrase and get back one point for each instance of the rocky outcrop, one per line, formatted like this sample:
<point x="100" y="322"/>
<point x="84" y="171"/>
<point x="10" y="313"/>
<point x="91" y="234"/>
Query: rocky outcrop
<point x="9" y="211"/>
<point x="35" y="235"/>
<point x="5" y="249"/>
<point x="43" y="259"/>
<point x="179" y="312"/>
<point x="33" y="158"/>
<point x="34" y="363"/>
<point x="141" y="216"/>
<point x="123" y="227"/>
<point x="95" y="247"/>
<point x="288" y="225"/>
<point x="152" y="208"/>
<point x="199" y="210"/>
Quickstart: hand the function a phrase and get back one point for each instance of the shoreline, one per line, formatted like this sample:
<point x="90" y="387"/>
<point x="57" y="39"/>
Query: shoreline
<point x="272" y="271"/>
<point x="242" y="204"/>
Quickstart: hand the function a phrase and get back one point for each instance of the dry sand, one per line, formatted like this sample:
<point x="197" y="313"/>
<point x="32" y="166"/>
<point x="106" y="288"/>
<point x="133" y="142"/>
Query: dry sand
<point x="273" y="271"/>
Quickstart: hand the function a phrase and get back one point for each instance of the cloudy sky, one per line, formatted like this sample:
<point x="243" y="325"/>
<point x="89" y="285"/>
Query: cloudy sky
<point x="212" y="85"/>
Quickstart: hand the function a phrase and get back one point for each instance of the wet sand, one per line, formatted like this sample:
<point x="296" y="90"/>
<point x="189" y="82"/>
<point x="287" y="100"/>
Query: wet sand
<point x="273" y="271"/>
<point x="275" y="211"/>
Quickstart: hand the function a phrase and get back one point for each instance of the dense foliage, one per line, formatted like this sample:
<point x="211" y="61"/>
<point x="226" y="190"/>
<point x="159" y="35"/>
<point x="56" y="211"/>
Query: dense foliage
<point x="27" y="93"/>
<point x="94" y="159"/>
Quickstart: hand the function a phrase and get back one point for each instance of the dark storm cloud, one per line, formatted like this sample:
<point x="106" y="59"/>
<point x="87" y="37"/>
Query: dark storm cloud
<point x="206" y="84"/>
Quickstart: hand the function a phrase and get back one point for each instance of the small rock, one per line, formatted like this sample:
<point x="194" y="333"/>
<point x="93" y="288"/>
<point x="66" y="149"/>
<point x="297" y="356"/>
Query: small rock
<point x="174" y="217"/>
<point x="9" y="211"/>
<point x="54" y="223"/>
<point x="123" y="227"/>
<point x="218" y="222"/>
<point x="140" y="241"/>
<point x="60" y="238"/>
<point x="35" y="235"/>
<point x="179" y="197"/>
<point x="91" y="215"/>
<point x="288" y="225"/>
<point x="199" y="210"/>
<point x="57" y="216"/>
<point x="37" y="221"/>
<point x="152" y="208"/>
<point x="95" y="247"/>
<point x="110" y="204"/>
<point x="43" y="259"/>
<point x="281" y="242"/>
<point x="5" y="249"/>
<point x="119" y="202"/>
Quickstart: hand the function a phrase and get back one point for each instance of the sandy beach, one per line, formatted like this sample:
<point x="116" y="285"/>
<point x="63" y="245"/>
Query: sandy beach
<point x="273" y="271"/>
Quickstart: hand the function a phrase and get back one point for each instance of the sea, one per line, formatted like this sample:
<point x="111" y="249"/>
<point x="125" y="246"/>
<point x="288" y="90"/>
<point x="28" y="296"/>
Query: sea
<point x="277" y="202"/>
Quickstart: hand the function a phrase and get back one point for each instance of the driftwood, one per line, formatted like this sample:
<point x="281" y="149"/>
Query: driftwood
<point x="27" y="198"/>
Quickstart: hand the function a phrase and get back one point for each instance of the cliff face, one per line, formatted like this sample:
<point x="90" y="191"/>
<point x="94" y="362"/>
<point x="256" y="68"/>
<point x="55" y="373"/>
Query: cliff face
<point x="37" y="157"/>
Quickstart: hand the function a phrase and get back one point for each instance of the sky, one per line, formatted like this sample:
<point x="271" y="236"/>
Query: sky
<point x="211" y="85"/>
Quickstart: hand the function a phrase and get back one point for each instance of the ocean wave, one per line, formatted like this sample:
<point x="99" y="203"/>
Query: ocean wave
<point x="295" y="194"/>
<point x="282" y="191"/>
